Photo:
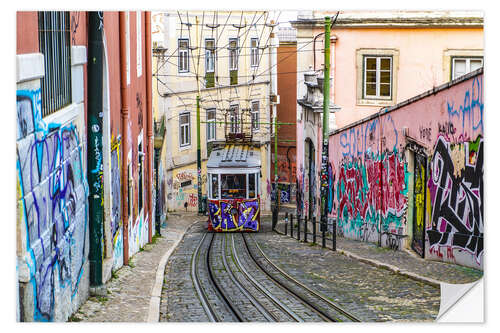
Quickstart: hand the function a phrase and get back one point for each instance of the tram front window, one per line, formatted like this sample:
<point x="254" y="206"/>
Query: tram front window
<point x="251" y="186"/>
<point x="234" y="186"/>
<point x="215" y="186"/>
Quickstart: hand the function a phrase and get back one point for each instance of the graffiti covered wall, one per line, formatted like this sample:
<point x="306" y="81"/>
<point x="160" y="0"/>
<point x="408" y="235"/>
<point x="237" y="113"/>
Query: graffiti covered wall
<point x="372" y="174"/>
<point x="52" y="222"/>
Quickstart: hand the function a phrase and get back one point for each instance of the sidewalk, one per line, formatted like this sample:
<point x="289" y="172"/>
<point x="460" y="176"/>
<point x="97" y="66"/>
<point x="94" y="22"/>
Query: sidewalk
<point x="133" y="293"/>
<point x="403" y="262"/>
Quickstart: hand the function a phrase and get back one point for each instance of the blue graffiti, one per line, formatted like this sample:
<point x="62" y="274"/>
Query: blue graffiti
<point x="54" y="200"/>
<point x="471" y="109"/>
<point x="361" y="139"/>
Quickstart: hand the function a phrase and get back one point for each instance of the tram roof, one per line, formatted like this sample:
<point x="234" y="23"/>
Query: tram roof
<point x="234" y="156"/>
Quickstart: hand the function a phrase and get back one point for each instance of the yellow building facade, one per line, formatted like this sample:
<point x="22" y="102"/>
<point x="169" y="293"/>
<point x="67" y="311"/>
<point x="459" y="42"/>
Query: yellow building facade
<point x="222" y="58"/>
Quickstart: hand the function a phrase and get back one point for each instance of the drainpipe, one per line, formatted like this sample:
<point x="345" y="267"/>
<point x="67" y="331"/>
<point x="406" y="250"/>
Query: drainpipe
<point x="94" y="146"/>
<point x="124" y="96"/>
<point x="149" y="122"/>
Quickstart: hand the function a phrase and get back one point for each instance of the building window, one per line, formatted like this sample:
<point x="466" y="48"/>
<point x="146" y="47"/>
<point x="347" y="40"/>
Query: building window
<point x="234" y="125"/>
<point x="254" y="52"/>
<point x="233" y="54"/>
<point x="209" y="55"/>
<point x="209" y="63"/>
<point x="233" y="61"/>
<point x="377" y="77"/>
<point x="462" y="65"/>
<point x="255" y="116"/>
<point x="54" y="42"/>
<point x="183" y="55"/>
<point x="211" y="125"/>
<point x="184" y="129"/>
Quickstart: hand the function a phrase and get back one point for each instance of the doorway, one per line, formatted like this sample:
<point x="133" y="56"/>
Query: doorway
<point x="418" y="238"/>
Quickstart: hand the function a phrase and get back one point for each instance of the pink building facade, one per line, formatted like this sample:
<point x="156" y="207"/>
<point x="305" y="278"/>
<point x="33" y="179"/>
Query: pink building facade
<point x="411" y="176"/>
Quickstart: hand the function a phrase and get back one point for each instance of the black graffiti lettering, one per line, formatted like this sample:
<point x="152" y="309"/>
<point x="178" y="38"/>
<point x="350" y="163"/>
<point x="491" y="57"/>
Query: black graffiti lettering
<point x="458" y="201"/>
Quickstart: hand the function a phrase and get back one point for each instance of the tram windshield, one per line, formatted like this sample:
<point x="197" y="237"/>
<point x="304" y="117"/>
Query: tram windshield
<point x="215" y="186"/>
<point x="252" y="191"/>
<point x="233" y="186"/>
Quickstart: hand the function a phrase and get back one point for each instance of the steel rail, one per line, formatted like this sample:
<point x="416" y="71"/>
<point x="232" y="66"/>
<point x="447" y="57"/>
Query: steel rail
<point x="243" y="290"/>
<point x="268" y="294"/>
<point x="226" y="300"/>
<point x="197" y="284"/>
<point x="300" y="284"/>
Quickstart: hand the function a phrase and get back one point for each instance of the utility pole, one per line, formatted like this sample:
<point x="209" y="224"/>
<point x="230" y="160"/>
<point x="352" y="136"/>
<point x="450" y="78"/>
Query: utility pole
<point x="274" y="101"/>
<point x="198" y="152"/>
<point x="94" y="146"/>
<point x="326" y="126"/>
<point x="198" y="139"/>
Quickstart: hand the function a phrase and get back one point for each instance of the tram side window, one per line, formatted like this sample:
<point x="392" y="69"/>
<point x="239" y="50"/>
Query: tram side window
<point x="215" y="186"/>
<point x="234" y="186"/>
<point x="252" y="193"/>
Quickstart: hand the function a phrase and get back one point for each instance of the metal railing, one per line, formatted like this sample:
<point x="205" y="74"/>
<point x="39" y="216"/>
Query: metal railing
<point x="303" y="228"/>
<point x="55" y="44"/>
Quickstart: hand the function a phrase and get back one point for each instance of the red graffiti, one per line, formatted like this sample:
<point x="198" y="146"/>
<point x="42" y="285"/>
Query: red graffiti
<point x="373" y="186"/>
<point x="192" y="200"/>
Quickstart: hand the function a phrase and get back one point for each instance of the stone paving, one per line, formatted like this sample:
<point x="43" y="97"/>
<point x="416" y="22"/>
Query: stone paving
<point x="404" y="262"/>
<point x="127" y="295"/>
<point x="351" y="276"/>
<point x="370" y="293"/>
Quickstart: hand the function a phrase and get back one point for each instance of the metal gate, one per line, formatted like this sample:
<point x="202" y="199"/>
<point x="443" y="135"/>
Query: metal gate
<point x="418" y="241"/>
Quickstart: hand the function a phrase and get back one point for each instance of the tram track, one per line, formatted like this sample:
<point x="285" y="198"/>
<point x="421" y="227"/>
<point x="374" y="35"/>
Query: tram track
<point x="236" y="281"/>
<point x="319" y="303"/>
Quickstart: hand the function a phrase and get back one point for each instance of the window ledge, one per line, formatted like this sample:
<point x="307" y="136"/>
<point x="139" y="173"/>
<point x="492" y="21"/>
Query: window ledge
<point x="186" y="147"/>
<point x="375" y="102"/>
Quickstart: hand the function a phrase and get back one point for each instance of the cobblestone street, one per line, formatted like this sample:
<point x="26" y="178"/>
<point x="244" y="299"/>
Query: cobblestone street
<point x="369" y="292"/>
<point x="371" y="283"/>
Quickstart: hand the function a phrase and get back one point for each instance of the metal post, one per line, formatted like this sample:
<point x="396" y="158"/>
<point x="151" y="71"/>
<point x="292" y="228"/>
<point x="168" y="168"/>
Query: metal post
<point x="298" y="228"/>
<point x="291" y="225"/>
<point x="198" y="152"/>
<point x="274" y="93"/>
<point x="305" y="229"/>
<point x="326" y="114"/>
<point x="94" y="145"/>
<point x="334" y="235"/>
<point x="286" y="223"/>
<point x="314" y="229"/>
<point x="323" y="235"/>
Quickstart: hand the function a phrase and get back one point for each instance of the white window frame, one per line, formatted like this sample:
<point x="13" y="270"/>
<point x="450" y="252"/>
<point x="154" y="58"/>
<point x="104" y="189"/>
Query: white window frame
<point x="183" y="56"/>
<point x="233" y="55"/>
<point x="254" y="52"/>
<point x="378" y="71"/>
<point x="363" y="100"/>
<point x="185" y="127"/>
<point x="209" y="55"/>
<point x="255" y="113"/>
<point x="467" y="65"/>
<point x="211" y="125"/>
<point x="236" y="124"/>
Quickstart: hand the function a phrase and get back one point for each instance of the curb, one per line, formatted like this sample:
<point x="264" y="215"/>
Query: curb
<point x="430" y="281"/>
<point x="154" y="303"/>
